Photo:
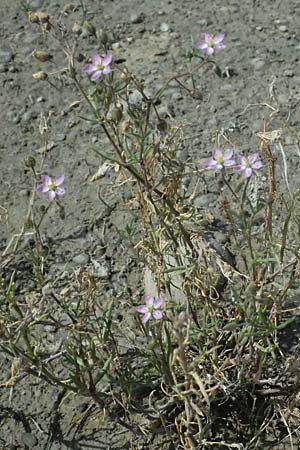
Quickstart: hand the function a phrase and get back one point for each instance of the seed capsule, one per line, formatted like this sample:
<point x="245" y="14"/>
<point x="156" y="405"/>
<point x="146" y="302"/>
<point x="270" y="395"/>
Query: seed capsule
<point x="40" y="76"/>
<point x="41" y="56"/>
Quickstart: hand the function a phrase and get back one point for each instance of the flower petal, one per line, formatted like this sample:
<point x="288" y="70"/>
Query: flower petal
<point x="45" y="179"/>
<point x="146" y="317"/>
<point x="248" y="172"/>
<point x="217" y="153"/>
<point x="218" y="38"/>
<point x="106" y="70"/>
<point x="158" y="302"/>
<point x="42" y="188"/>
<point x="210" y="163"/>
<point x="158" y="314"/>
<point x="201" y="45"/>
<point x="210" y="51"/>
<point x="89" y="68"/>
<point x="253" y="158"/>
<point x="149" y="300"/>
<point x="206" y="37"/>
<point x="96" y="75"/>
<point x="229" y="163"/>
<point x="51" y="195"/>
<point x="220" y="47"/>
<point x="60" y="191"/>
<point x="142" y="309"/>
<point x="97" y="59"/>
<point x="257" y="165"/>
<point x="227" y="154"/>
<point x="107" y="59"/>
<point x="59" y="179"/>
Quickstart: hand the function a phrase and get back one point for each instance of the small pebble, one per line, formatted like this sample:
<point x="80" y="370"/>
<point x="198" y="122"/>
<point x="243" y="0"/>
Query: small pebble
<point x="29" y="440"/>
<point x="81" y="259"/>
<point x="6" y="55"/>
<point x="289" y="73"/>
<point x="283" y="28"/>
<point x="164" y="27"/>
<point x="137" y="18"/>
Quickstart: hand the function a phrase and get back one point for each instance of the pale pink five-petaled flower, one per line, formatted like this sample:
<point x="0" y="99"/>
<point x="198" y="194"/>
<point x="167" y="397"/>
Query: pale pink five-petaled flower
<point x="151" y="308"/>
<point x="247" y="164"/>
<point x="209" y="43"/>
<point x="99" y="65"/>
<point x="219" y="160"/>
<point x="51" y="186"/>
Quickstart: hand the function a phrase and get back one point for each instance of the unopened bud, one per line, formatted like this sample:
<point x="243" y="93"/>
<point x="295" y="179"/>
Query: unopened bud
<point x="40" y="75"/>
<point x="89" y="27"/>
<point x="30" y="161"/>
<point x="72" y="72"/>
<point x="117" y="114"/>
<point x="103" y="37"/>
<point x="162" y="125"/>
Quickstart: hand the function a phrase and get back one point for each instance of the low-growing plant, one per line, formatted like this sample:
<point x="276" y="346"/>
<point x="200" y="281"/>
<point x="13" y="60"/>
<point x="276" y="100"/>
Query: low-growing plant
<point x="199" y="360"/>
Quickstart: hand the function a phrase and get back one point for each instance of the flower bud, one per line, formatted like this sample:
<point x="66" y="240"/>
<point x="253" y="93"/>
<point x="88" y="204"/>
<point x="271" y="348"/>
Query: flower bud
<point x="117" y="114"/>
<point x="30" y="161"/>
<point x="162" y="125"/>
<point x="103" y="37"/>
<point x="89" y="28"/>
<point x="40" y="75"/>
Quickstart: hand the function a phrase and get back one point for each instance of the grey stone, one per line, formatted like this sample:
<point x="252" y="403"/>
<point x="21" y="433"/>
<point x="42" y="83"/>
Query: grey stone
<point x="164" y="27"/>
<point x="6" y="55"/>
<point x="283" y="28"/>
<point x="60" y="137"/>
<point x="258" y="63"/>
<point x="135" y="97"/>
<point x="289" y="73"/>
<point x="101" y="270"/>
<point x="35" y="4"/>
<point x="29" y="115"/>
<point x="206" y="200"/>
<point x="81" y="259"/>
<point x="220" y="237"/>
<point x="137" y="17"/>
<point x="29" y="440"/>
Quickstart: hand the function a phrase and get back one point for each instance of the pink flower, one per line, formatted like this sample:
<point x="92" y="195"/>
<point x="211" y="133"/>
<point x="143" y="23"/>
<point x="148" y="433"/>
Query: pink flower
<point x="152" y="308"/>
<point x="52" y="187"/>
<point x="100" y="65"/>
<point x="247" y="164"/>
<point x="219" y="160"/>
<point x="209" y="44"/>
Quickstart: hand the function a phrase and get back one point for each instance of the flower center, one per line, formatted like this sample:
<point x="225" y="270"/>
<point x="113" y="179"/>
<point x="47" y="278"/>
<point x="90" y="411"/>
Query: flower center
<point x="211" y="43"/>
<point x="52" y="187"/>
<point x="100" y="67"/>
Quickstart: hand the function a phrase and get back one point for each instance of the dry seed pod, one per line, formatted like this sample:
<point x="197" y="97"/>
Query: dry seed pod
<point x="39" y="17"/>
<point x="41" y="56"/>
<point x="69" y="7"/>
<point x="76" y="28"/>
<point x="40" y="76"/>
